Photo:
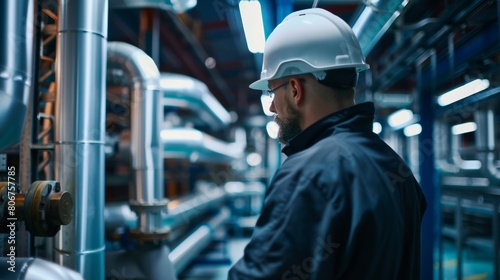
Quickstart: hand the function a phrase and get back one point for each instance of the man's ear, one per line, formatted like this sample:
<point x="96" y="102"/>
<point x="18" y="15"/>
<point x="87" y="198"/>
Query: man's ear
<point x="297" y="87"/>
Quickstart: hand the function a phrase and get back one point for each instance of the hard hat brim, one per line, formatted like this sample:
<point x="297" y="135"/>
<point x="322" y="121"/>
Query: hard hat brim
<point x="261" y="84"/>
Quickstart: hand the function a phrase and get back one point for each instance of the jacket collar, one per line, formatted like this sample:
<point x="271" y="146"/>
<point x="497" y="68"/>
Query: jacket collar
<point x="355" y="118"/>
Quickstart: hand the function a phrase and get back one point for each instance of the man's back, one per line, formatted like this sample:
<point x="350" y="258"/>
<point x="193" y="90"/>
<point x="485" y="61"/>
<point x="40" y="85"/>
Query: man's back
<point x="342" y="206"/>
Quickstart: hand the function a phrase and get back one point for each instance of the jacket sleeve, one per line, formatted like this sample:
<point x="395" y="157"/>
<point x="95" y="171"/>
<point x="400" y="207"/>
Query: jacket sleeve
<point x="292" y="239"/>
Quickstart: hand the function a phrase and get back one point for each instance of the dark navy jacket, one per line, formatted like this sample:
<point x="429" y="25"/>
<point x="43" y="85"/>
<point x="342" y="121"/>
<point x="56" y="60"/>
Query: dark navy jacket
<point x="343" y="205"/>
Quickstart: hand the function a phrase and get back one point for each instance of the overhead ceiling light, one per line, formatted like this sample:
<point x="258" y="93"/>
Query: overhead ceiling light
<point x="463" y="128"/>
<point x="400" y="117"/>
<point x="463" y="91"/>
<point x="412" y="130"/>
<point x="377" y="127"/>
<point x="253" y="25"/>
<point x="266" y="101"/>
<point x="272" y="129"/>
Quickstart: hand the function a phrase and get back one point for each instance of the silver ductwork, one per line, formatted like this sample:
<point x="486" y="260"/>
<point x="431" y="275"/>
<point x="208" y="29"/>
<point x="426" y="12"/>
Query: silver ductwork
<point x="16" y="59"/>
<point x="142" y="75"/>
<point x="185" y="92"/>
<point x="79" y="134"/>
<point x="374" y="20"/>
<point x="192" y="144"/>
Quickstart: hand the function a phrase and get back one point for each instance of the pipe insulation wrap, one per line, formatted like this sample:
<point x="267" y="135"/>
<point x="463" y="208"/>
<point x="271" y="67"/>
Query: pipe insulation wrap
<point x="146" y="114"/>
<point x="79" y="135"/>
<point x="16" y="62"/>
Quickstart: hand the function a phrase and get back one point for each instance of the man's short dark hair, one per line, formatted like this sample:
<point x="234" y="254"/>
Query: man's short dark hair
<point x="340" y="78"/>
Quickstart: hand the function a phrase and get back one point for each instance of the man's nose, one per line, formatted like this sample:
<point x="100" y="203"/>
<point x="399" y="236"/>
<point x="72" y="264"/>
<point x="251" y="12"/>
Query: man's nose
<point x="272" y="108"/>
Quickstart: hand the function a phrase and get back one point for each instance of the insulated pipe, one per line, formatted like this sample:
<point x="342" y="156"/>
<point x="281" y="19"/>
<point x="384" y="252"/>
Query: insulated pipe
<point x="374" y="20"/>
<point x="167" y="5"/>
<point x="79" y="132"/>
<point x="198" y="146"/>
<point x="490" y="163"/>
<point x="146" y="116"/>
<point x="16" y="55"/>
<point x="182" y="91"/>
<point x="485" y="142"/>
<point x="194" y="244"/>
<point x="443" y="150"/>
<point x="35" y="268"/>
<point x="180" y="211"/>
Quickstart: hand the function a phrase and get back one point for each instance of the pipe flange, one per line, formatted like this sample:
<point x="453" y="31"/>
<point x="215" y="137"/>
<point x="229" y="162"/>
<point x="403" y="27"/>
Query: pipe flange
<point x="154" y="236"/>
<point x="155" y="207"/>
<point x="47" y="208"/>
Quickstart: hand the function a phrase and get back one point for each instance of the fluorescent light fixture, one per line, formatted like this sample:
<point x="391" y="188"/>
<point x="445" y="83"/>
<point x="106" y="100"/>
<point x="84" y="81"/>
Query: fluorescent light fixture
<point x="272" y="129"/>
<point x="463" y="91"/>
<point x="400" y="117"/>
<point x="412" y="130"/>
<point x="463" y="128"/>
<point x="470" y="164"/>
<point x="266" y="101"/>
<point x="253" y="26"/>
<point x="377" y="127"/>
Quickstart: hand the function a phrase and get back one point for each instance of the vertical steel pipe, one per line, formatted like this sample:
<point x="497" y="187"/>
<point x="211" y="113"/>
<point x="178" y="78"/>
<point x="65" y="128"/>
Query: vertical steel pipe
<point x="16" y="60"/>
<point x="79" y="138"/>
<point x="145" y="120"/>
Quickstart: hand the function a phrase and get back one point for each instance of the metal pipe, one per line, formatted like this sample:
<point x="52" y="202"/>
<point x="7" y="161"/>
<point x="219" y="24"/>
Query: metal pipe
<point x="185" y="210"/>
<point x="485" y="143"/>
<point x="182" y="91"/>
<point x="198" y="146"/>
<point x="34" y="268"/>
<point x="180" y="211"/>
<point x="194" y="244"/>
<point x="374" y="20"/>
<point x="79" y="132"/>
<point x="443" y="151"/>
<point x="146" y="116"/>
<point x="492" y="168"/>
<point x="177" y="6"/>
<point x="16" y="60"/>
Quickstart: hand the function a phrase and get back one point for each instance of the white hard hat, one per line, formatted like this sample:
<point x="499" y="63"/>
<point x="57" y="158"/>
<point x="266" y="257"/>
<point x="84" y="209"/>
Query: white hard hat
<point x="308" y="41"/>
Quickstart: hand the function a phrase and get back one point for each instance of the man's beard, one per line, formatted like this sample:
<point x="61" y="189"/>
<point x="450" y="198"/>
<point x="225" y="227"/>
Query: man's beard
<point x="289" y="127"/>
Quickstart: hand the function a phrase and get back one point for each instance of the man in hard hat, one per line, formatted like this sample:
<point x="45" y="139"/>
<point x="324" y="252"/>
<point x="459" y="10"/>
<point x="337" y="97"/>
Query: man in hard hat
<point x="343" y="205"/>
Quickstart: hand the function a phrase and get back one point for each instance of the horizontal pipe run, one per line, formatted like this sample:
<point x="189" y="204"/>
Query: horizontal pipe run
<point x="196" y="242"/>
<point x="180" y="211"/>
<point x="180" y="91"/>
<point x="198" y="146"/>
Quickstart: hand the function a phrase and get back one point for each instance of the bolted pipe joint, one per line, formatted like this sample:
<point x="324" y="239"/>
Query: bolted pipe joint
<point x="44" y="208"/>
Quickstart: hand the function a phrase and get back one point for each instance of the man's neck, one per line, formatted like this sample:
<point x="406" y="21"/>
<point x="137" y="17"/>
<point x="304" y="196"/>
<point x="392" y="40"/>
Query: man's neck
<point x="315" y="114"/>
